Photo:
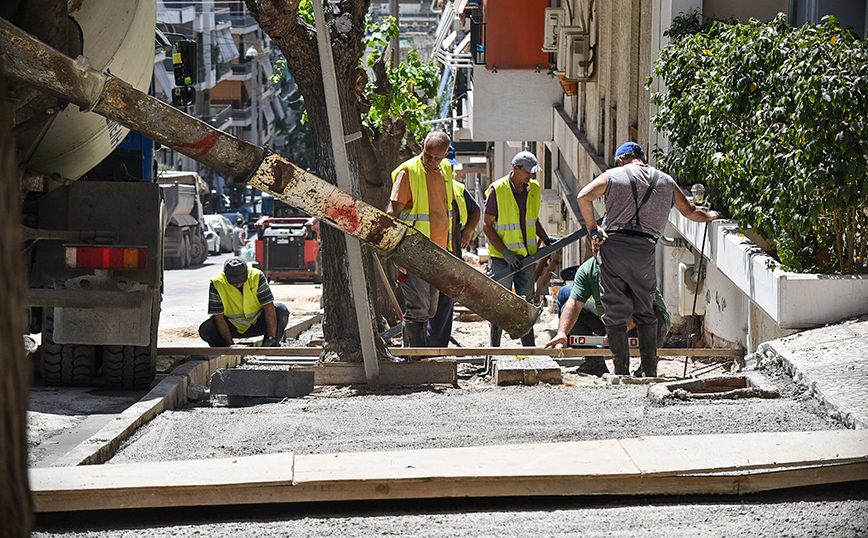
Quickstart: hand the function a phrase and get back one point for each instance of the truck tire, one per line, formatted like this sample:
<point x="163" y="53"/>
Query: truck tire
<point x="198" y="249"/>
<point x="129" y="367"/>
<point x="185" y="251"/>
<point x="133" y="367"/>
<point x="65" y="365"/>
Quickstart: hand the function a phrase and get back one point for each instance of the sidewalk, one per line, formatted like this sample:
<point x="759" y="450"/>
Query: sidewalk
<point x="832" y="362"/>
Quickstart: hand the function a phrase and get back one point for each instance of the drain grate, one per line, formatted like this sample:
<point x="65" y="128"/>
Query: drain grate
<point x="748" y="385"/>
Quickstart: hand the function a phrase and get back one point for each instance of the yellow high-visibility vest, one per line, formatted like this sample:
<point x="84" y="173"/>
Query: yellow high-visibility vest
<point x="508" y="225"/>
<point x="418" y="215"/>
<point x="241" y="309"/>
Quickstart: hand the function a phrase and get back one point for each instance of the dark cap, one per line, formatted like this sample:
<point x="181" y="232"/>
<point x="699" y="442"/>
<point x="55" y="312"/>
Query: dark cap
<point x="239" y="220"/>
<point x="630" y="147"/>
<point x="236" y="270"/>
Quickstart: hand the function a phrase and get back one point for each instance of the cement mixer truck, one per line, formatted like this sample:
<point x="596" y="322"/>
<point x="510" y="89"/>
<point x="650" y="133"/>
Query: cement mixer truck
<point x="93" y="217"/>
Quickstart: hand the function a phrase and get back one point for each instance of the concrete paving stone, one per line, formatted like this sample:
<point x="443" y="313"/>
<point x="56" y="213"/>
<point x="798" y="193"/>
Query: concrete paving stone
<point x="527" y="371"/>
<point x="262" y="383"/>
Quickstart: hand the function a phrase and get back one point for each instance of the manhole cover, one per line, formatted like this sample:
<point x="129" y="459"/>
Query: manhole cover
<point x="749" y="385"/>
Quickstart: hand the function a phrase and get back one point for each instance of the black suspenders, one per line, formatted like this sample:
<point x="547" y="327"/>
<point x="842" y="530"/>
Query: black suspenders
<point x="645" y="198"/>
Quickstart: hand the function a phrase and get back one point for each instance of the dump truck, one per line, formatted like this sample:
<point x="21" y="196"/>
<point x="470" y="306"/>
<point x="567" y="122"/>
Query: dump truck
<point x="98" y="307"/>
<point x="184" y="239"/>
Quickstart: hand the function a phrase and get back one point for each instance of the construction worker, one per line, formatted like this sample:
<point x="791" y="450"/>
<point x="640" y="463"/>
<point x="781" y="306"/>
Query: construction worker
<point x="422" y="195"/>
<point x="239" y="236"/>
<point x="241" y="305"/>
<point x="638" y="200"/>
<point x="581" y="310"/>
<point x="512" y="227"/>
<point x="465" y="218"/>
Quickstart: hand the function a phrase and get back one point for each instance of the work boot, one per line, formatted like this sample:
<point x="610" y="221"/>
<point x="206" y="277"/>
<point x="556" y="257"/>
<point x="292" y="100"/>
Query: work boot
<point x="528" y="340"/>
<point x="594" y="366"/>
<point x="494" y="335"/>
<point x="620" y="348"/>
<point x="415" y="334"/>
<point x="648" y="348"/>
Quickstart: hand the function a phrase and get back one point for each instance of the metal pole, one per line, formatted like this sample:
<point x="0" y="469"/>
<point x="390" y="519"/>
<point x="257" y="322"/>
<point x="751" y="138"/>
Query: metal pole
<point x="395" y="45"/>
<point x="346" y="182"/>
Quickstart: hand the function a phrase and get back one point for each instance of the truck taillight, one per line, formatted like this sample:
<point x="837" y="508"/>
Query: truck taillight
<point x="106" y="257"/>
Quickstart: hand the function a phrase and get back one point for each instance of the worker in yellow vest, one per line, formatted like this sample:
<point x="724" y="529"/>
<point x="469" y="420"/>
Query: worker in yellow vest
<point x="512" y="226"/>
<point x="422" y="195"/>
<point x="465" y="218"/>
<point x="241" y="305"/>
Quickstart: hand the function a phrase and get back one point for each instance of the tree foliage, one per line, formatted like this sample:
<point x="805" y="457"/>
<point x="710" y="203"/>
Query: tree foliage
<point x="775" y="119"/>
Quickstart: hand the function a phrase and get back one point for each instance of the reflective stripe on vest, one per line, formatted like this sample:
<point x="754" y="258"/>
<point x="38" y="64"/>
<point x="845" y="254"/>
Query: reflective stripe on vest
<point x="507" y="225"/>
<point x="241" y="308"/>
<point x="417" y="216"/>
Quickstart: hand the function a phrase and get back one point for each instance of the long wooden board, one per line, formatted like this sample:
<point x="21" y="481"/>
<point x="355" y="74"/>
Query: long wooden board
<point x="446" y="351"/>
<point x="708" y="464"/>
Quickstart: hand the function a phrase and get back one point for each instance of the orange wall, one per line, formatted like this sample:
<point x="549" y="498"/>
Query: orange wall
<point x="514" y="34"/>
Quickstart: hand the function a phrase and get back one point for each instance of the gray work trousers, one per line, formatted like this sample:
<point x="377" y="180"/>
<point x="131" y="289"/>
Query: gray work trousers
<point x="628" y="279"/>
<point x="420" y="299"/>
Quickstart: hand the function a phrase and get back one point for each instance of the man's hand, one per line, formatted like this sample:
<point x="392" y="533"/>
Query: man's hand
<point x="512" y="260"/>
<point x="549" y="240"/>
<point x="560" y="338"/>
<point x="270" y="341"/>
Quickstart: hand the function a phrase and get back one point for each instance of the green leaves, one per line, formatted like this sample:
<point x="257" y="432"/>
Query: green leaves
<point x="404" y="91"/>
<point x="775" y="120"/>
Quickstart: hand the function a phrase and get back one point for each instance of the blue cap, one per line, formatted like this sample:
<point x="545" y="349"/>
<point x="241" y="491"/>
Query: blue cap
<point x="629" y="147"/>
<point x="451" y="156"/>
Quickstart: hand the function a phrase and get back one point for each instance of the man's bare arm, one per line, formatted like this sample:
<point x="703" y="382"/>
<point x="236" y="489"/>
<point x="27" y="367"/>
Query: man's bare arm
<point x="691" y="211"/>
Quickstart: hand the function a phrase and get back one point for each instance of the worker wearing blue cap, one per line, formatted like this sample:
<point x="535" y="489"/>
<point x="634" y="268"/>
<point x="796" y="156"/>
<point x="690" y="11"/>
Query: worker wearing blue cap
<point x="638" y="200"/>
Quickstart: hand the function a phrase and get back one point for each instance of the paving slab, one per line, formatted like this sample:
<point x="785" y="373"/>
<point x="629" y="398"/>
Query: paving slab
<point x="832" y="362"/>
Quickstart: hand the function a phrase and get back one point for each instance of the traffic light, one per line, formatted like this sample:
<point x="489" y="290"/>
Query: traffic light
<point x="183" y="95"/>
<point x="185" y="62"/>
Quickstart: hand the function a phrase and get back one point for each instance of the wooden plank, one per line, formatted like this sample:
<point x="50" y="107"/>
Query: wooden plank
<point x="391" y="373"/>
<point x="742" y="463"/>
<point x="447" y="351"/>
<point x="717" y="453"/>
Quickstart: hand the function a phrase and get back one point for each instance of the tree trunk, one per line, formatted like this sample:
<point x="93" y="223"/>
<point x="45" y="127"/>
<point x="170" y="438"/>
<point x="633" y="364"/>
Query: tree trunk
<point x="297" y="41"/>
<point x="16" y="509"/>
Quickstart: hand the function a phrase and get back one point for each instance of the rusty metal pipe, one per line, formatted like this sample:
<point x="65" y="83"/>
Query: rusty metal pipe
<point x="26" y="59"/>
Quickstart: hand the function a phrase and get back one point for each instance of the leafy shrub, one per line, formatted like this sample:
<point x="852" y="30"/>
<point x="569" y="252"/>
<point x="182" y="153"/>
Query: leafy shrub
<point x="775" y="120"/>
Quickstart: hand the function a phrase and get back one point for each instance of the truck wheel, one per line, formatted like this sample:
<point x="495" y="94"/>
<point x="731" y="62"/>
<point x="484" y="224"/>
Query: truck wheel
<point x="129" y="367"/>
<point x="133" y="367"/>
<point x="65" y="365"/>
<point x="198" y="249"/>
<point x="185" y="252"/>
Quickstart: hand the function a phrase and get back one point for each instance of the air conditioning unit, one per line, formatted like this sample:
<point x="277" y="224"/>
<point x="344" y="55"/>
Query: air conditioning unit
<point x="555" y="18"/>
<point x="564" y="33"/>
<point x="576" y="54"/>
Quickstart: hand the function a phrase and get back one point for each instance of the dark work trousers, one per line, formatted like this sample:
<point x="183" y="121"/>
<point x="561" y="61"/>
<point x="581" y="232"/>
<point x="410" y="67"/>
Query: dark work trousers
<point x="209" y="332"/>
<point x="440" y="326"/>
<point x="589" y="323"/>
<point x="628" y="279"/>
<point x="420" y="299"/>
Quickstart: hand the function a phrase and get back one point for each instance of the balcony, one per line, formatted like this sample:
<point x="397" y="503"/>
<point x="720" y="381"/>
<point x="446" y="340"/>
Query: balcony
<point x="220" y="117"/>
<point x="243" y="24"/>
<point x="243" y="71"/>
<point x="222" y="18"/>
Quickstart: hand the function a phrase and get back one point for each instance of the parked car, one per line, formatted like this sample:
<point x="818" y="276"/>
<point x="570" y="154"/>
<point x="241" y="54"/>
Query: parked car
<point x="223" y="229"/>
<point x="212" y="240"/>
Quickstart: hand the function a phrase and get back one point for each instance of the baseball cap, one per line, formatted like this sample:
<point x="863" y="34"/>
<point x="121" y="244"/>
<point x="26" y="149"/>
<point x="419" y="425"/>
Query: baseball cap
<point x="236" y="270"/>
<point x="629" y="147"/>
<point x="526" y="160"/>
<point x="451" y="156"/>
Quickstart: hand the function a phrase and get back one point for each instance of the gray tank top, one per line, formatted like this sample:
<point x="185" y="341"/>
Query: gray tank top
<point x="621" y="209"/>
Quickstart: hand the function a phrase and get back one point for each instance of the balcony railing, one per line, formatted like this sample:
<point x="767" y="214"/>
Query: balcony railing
<point x="242" y="23"/>
<point x="219" y="116"/>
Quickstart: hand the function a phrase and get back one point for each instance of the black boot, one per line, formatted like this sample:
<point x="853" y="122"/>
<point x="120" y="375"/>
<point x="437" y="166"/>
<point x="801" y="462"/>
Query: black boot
<point x="594" y="366"/>
<point x="528" y="340"/>
<point x="620" y="348"/>
<point x="415" y="334"/>
<point x="648" y="348"/>
<point x="494" y="335"/>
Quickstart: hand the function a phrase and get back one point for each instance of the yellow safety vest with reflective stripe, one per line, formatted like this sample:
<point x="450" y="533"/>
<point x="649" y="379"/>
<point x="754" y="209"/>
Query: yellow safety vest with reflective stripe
<point x="458" y="187"/>
<point x="417" y="216"/>
<point x="508" y="225"/>
<point x="241" y="309"/>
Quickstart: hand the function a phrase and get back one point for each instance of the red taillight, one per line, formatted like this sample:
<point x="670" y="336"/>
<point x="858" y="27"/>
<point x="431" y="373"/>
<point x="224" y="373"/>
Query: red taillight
<point x="106" y="257"/>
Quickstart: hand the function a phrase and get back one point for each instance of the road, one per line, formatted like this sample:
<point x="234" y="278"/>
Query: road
<point x="185" y="301"/>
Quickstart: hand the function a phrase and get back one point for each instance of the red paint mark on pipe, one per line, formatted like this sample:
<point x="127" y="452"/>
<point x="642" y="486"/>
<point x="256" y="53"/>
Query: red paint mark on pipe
<point x="346" y="217"/>
<point x="201" y="146"/>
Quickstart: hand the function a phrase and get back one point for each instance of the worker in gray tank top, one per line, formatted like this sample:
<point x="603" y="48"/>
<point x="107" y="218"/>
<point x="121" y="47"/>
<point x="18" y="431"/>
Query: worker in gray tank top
<point x="638" y="200"/>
